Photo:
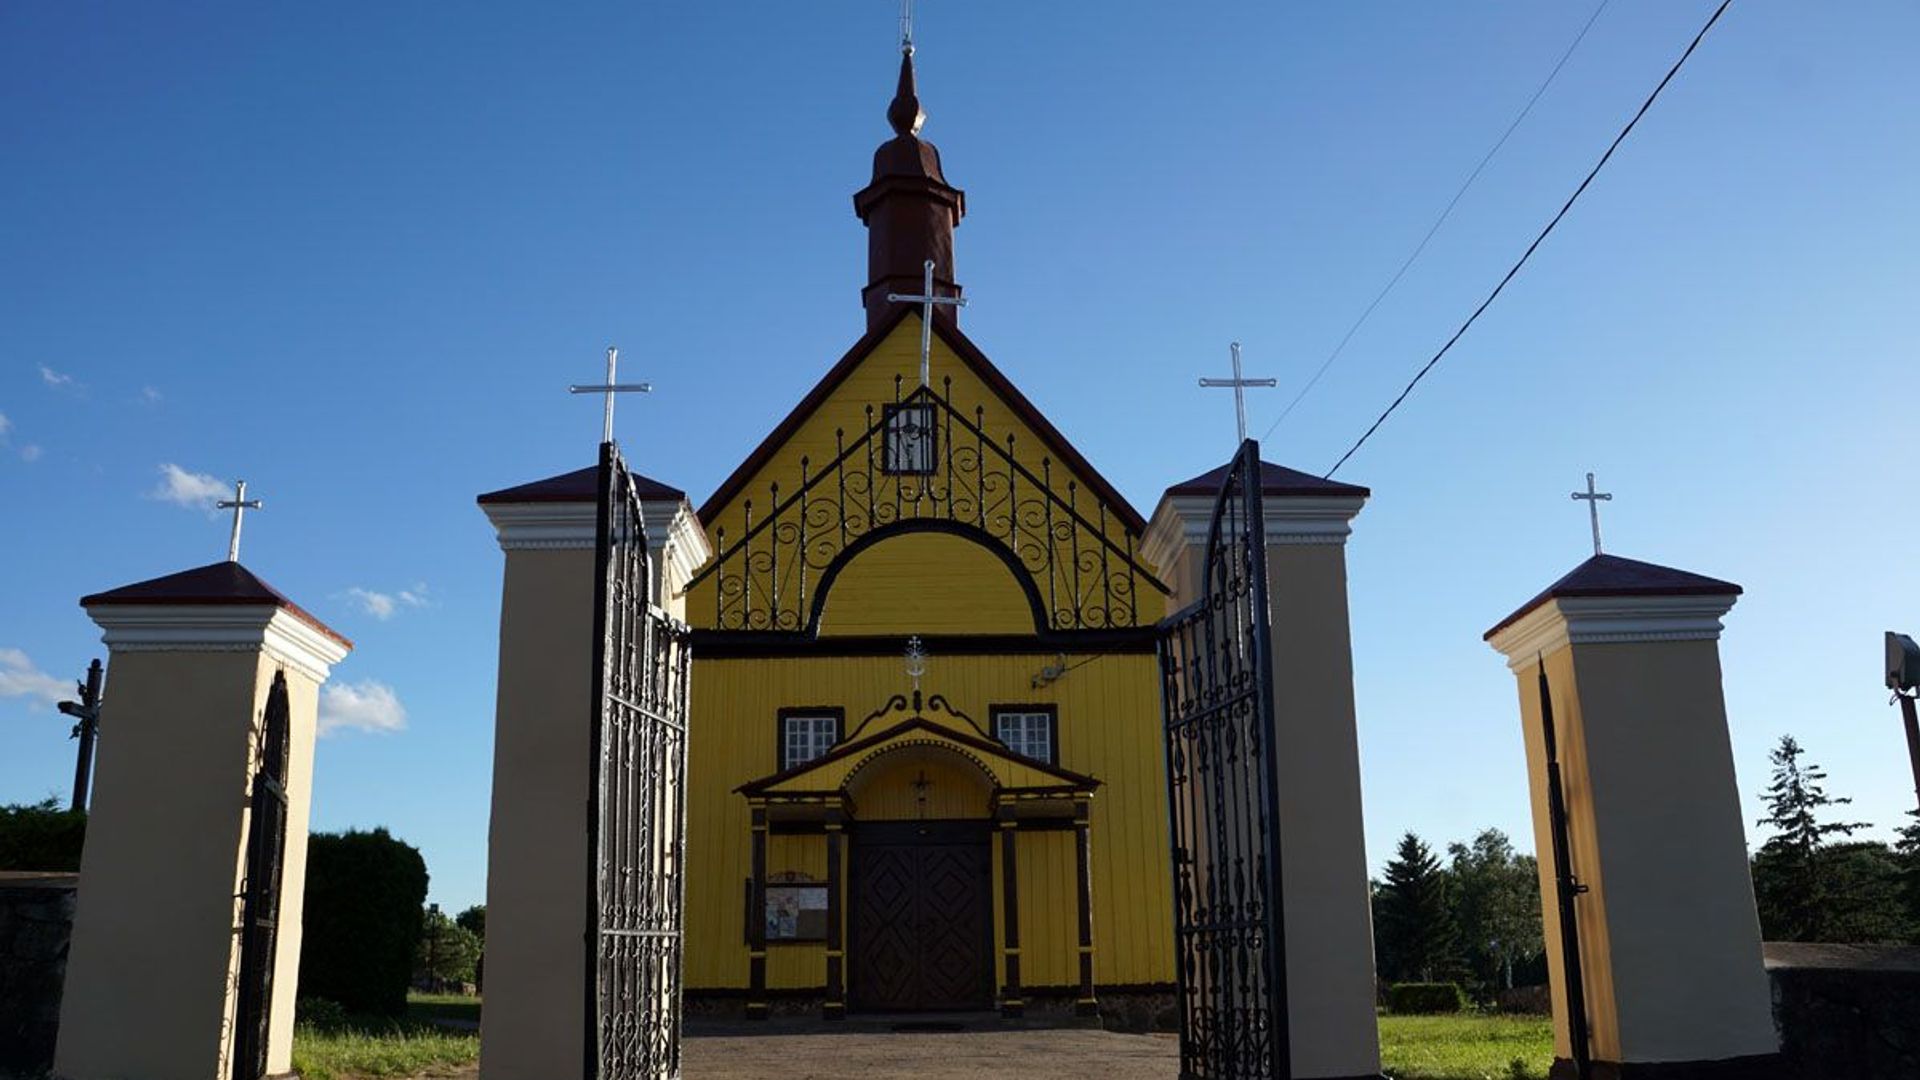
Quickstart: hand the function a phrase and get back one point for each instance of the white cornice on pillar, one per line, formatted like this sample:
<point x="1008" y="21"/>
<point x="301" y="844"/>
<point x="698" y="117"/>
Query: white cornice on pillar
<point x="1558" y="622"/>
<point x="220" y="628"/>
<point x="1183" y="520"/>
<point x="672" y="530"/>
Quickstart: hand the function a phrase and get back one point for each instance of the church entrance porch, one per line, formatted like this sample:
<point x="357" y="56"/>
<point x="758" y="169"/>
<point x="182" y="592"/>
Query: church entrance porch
<point x="921" y="917"/>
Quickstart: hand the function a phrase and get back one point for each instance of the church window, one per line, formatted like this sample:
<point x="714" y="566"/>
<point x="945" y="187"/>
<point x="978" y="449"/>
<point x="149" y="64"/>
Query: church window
<point x="910" y="438"/>
<point x="806" y="734"/>
<point x="1029" y="730"/>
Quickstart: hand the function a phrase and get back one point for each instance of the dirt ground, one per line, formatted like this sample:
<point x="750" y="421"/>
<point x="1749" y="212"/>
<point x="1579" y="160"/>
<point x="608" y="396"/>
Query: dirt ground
<point x="1040" y="1055"/>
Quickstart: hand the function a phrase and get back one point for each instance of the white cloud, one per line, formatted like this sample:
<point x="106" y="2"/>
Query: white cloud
<point x="194" y="490"/>
<point x="150" y="396"/>
<point x="30" y="453"/>
<point x="54" y="378"/>
<point x="19" y="678"/>
<point x="6" y="425"/>
<point x="384" y="605"/>
<point x="362" y="706"/>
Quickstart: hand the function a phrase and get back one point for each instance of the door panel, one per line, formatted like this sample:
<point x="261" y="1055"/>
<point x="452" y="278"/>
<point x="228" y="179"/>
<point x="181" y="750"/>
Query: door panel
<point x="921" y="915"/>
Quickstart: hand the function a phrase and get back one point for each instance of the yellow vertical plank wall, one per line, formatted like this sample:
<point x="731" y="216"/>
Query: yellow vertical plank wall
<point x="872" y="385"/>
<point x="1109" y="715"/>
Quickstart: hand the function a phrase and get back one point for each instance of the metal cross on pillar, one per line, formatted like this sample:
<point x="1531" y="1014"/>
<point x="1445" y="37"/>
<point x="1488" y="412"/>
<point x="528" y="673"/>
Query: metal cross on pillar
<point x="239" y="504"/>
<point x="1239" y="385"/>
<point x="609" y="388"/>
<point x="1593" y="499"/>
<point x="927" y="301"/>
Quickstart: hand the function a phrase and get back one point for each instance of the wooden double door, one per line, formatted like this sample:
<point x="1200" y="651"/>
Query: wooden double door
<point x="921" y="916"/>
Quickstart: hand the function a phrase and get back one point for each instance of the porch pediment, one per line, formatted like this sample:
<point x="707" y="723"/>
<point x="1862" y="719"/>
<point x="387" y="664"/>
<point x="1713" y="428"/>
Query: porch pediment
<point x="1010" y="775"/>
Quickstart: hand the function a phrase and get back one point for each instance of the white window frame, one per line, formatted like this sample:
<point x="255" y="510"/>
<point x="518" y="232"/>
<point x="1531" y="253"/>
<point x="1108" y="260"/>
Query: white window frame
<point x="1028" y="725"/>
<point x="801" y="732"/>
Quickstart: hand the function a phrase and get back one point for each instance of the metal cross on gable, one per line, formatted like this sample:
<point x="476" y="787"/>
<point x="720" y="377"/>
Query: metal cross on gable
<point x="927" y="301"/>
<point x="1593" y="499"/>
<point x="1239" y="385"/>
<point x="239" y="504"/>
<point x="609" y="388"/>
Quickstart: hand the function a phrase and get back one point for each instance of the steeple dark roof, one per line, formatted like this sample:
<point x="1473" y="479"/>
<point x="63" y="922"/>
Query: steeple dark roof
<point x="1611" y="575"/>
<point x="221" y="583"/>
<point x="909" y="209"/>
<point x="1274" y="480"/>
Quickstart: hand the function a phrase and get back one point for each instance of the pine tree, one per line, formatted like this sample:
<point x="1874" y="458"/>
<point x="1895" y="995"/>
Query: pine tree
<point x="1415" y="936"/>
<point x="1792" y="883"/>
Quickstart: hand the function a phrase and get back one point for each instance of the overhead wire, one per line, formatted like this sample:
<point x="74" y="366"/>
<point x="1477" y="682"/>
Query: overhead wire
<point x="1537" y="240"/>
<point x="1405" y="265"/>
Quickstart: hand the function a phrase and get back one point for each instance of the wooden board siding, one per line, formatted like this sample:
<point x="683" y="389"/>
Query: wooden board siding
<point x="873" y="383"/>
<point x="958" y="587"/>
<point x="1109" y="716"/>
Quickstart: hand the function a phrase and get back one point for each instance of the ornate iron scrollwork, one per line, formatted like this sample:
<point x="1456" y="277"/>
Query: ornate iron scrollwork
<point x="920" y="460"/>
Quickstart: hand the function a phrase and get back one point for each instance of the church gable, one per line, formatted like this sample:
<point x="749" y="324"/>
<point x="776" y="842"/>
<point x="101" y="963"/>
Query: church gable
<point x="870" y="455"/>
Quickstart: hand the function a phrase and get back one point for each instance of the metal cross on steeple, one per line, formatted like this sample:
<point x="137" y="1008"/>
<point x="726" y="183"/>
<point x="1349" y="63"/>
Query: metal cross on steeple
<point x="906" y="25"/>
<point x="611" y="387"/>
<point x="1239" y="385"/>
<point x="1593" y="499"/>
<point x="239" y="504"/>
<point x="926" y="300"/>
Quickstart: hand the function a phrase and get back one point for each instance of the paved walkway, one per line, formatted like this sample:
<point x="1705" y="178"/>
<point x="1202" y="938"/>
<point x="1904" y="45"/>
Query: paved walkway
<point x="1051" y="1054"/>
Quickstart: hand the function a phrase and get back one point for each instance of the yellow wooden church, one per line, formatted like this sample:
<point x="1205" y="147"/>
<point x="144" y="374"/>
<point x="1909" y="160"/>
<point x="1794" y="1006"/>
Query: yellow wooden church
<point x="925" y="766"/>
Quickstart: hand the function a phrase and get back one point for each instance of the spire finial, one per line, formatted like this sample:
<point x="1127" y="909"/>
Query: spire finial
<point x="904" y="112"/>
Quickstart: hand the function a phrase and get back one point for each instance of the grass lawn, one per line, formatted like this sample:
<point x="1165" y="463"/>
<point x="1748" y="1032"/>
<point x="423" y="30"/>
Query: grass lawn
<point x="413" y="1046"/>
<point x="1465" y="1047"/>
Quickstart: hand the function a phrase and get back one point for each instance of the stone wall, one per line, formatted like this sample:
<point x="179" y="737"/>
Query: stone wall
<point x="36" y="922"/>
<point x="1847" y="1012"/>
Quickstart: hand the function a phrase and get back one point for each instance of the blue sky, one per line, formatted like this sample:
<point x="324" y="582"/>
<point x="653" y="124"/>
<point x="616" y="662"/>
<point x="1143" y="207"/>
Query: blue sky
<point x="355" y="252"/>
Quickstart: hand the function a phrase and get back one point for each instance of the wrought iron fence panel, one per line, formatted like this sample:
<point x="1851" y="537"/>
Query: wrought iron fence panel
<point x="1216" y="670"/>
<point x="637" y="812"/>
<point x="921" y="460"/>
<point x="260" y="889"/>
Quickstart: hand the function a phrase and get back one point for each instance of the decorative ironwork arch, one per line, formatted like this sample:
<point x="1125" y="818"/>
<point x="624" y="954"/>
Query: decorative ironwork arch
<point x="921" y="460"/>
<point x="260" y="892"/>
<point x="966" y="531"/>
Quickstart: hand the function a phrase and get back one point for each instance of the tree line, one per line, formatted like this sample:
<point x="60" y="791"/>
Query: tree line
<point x="1474" y="916"/>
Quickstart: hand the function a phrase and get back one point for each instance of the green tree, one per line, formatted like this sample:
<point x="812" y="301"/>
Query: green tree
<point x="474" y="919"/>
<point x="1793" y="885"/>
<point x="446" y="954"/>
<point x="1496" y="905"/>
<point x="1415" y="939"/>
<point x="41" y="836"/>
<point x="362" y="920"/>
<point x="1908" y="853"/>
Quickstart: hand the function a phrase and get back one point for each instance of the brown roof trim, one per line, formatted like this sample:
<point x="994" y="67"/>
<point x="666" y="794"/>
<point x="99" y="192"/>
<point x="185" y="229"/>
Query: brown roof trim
<point x="917" y="723"/>
<point x="970" y="355"/>
<point x="1274" y="480"/>
<point x="580" y="485"/>
<point x="221" y="583"/>
<point x="1612" y="575"/>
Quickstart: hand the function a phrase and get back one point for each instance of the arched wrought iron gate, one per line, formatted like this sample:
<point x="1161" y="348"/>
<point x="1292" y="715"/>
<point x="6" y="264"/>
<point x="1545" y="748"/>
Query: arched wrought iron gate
<point x="260" y="891"/>
<point x="636" y="818"/>
<point x="1216" y="671"/>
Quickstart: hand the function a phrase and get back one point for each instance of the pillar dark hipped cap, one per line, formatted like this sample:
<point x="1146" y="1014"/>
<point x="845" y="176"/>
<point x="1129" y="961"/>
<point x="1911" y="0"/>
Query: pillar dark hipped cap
<point x="909" y="209"/>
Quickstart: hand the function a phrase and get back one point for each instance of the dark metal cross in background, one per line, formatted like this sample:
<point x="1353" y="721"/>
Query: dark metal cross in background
<point x="239" y="504"/>
<point x="1239" y="385"/>
<point x="1593" y="499"/>
<point x="609" y="388"/>
<point x="86" y="714"/>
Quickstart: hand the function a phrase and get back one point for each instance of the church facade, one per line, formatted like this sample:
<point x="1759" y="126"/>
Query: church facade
<point x="925" y="765"/>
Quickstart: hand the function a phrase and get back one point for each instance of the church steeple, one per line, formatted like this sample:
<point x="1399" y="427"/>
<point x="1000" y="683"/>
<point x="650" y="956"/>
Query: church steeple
<point x="909" y="209"/>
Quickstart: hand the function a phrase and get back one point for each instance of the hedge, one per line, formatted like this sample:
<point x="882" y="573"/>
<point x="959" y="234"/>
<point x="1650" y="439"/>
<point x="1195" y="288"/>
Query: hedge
<point x="41" y="836"/>
<point x="1412" y="998"/>
<point x="362" y="920"/>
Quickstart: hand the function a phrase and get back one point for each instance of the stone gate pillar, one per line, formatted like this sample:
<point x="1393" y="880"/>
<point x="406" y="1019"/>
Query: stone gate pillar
<point x="1669" y="936"/>
<point x="150" y="988"/>
<point x="535" y="1018"/>
<point x="1329" y="927"/>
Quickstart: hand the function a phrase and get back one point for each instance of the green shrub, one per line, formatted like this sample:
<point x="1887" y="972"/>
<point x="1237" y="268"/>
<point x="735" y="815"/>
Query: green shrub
<point x="41" y="836"/>
<point x="1409" y="999"/>
<point x="362" y="920"/>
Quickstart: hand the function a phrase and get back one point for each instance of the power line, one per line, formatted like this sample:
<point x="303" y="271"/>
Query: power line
<point x="1439" y="221"/>
<point x="1531" y="248"/>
